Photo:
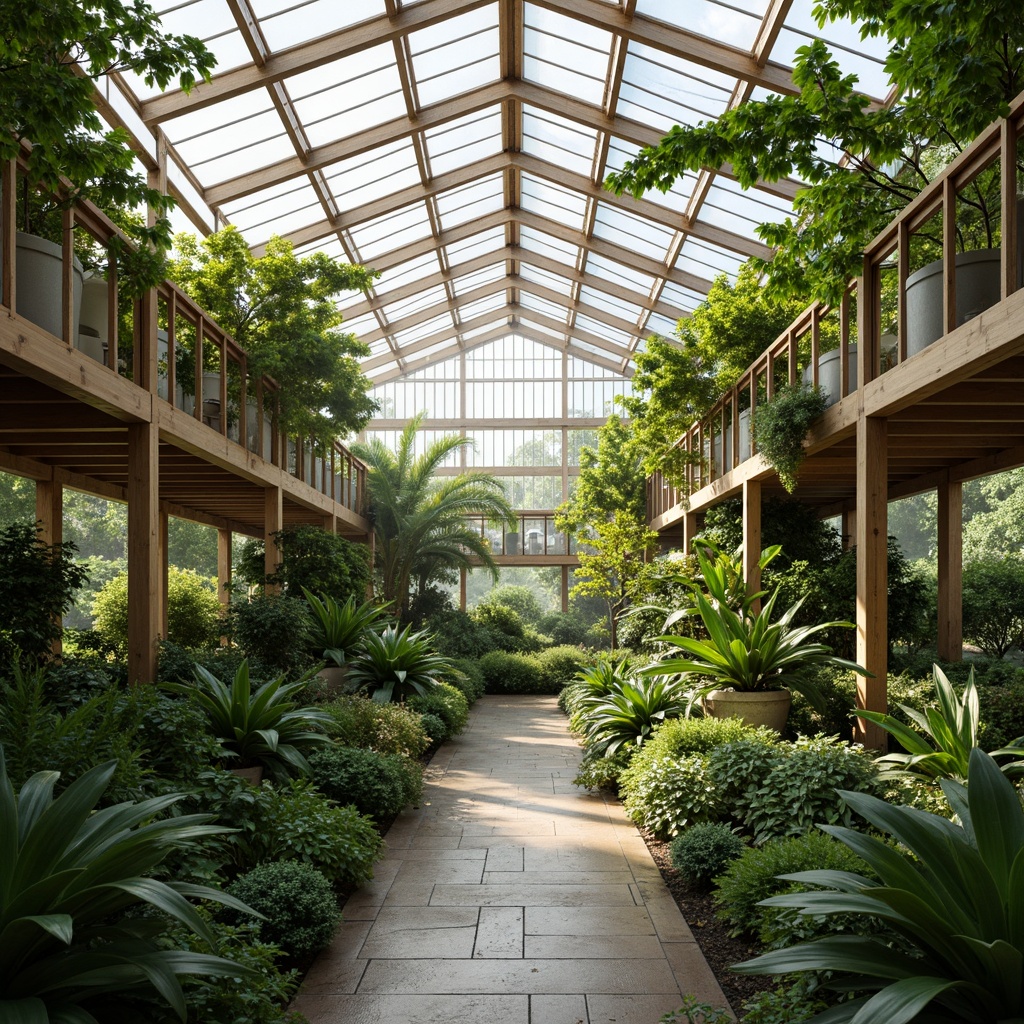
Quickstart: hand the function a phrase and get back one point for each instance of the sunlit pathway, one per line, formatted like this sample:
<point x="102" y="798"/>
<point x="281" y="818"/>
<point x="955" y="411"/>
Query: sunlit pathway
<point x="509" y="897"/>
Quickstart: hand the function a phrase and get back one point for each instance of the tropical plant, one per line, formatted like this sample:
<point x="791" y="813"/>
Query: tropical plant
<point x="746" y="650"/>
<point x="357" y="721"/>
<point x="265" y="727"/>
<point x="948" y="733"/>
<point x="422" y="521"/>
<point x="377" y="785"/>
<point x="448" y="703"/>
<point x="339" y="629"/>
<point x="631" y="712"/>
<point x="952" y="891"/>
<point x="395" y="663"/>
<point x="72" y="947"/>
<point x="781" y="424"/>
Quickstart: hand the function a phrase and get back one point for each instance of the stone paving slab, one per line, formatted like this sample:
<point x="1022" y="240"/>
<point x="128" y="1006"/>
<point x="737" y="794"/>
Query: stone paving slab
<point x="509" y="897"/>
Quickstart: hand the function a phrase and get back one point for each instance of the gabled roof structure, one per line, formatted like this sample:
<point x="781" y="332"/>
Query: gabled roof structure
<point x="459" y="147"/>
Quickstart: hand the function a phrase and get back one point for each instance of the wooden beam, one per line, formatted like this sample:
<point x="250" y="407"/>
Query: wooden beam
<point x="872" y="561"/>
<point x="752" y="537"/>
<point x="143" y="551"/>
<point x="950" y="566"/>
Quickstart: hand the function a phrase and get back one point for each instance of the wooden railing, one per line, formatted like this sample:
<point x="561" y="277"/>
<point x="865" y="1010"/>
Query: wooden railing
<point x="535" y="535"/>
<point x="164" y="342"/>
<point x="873" y="312"/>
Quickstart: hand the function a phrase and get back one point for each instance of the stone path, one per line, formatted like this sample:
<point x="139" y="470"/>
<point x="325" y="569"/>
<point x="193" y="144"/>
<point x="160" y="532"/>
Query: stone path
<point x="509" y="897"/>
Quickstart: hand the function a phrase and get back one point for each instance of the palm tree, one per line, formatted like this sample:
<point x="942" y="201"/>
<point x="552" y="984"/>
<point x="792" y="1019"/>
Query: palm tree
<point x="422" y="522"/>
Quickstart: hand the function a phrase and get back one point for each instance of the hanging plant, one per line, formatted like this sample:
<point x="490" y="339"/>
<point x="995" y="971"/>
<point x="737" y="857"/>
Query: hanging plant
<point x="780" y="426"/>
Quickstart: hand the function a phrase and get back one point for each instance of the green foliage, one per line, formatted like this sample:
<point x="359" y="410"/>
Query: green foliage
<point x="310" y="559"/>
<point x="48" y="102"/>
<point x="792" y="1004"/>
<point x="512" y="673"/>
<point x="630" y="712"/>
<point x="457" y="634"/>
<point x="559" y="665"/>
<point x="72" y="945"/>
<point x="465" y="675"/>
<point x="952" y="890"/>
<point x="38" y="735"/>
<point x="506" y="630"/>
<point x="396" y="663"/>
<point x="434" y="727"/>
<point x="800" y="790"/>
<point x="993" y="604"/>
<point x="704" y="851"/>
<point x="564" y="628"/>
<point x="264" y="727"/>
<point x="1002" y="714"/>
<point x="387" y="728"/>
<point x="282" y="310"/>
<point x="37" y="585"/>
<point x="377" y="785"/>
<point x="522" y="600"/>
<point x="420" y="518"/>
<point x="838" y="691"/>
<point x="446" y="703"/>
<point x="781" y="425"/>
<point x="667" y="794"/>
<point x="755" y="876"/>
<point x="193" y="610"/>
<point x="947" y="733"/>
<point x="275" y="631"/>
<point x="602" y="771"/>
<point x="297" y="903"/>
<point x="694" y="1012"/>
<point x="680" y="736"/>
<point x="339" y="629"/>
<point x="738" y="769"/>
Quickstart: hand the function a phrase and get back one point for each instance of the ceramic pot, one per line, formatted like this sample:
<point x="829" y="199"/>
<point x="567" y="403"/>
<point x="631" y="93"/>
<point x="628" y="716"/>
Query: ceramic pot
<point x="759" y="707"/>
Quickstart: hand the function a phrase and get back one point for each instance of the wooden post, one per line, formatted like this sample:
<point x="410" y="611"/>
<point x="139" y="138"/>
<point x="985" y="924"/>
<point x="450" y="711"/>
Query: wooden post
<point x="950" y="546"/>
<point x="273" y="521"/>
<point x="565" y="589"/>
<point x="50" y="519"/>
<point x="872" y="554"/>
<point x="224" y="569"/>
<point x="689" y="531"/>
<point x="462" y="589"/>
<point x="752" y="537"/>
<point x="143" y="551"/>
<point x="849" y="528"/>
<point x="165" y="571"/>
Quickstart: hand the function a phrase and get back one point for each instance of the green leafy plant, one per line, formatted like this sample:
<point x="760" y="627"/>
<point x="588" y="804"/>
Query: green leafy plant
<point x="297" y="904"/>
<point x="630" y="713"/>
<point x="378" y="785"/>
<point x="339" y="629"/>
<point x="737" y="770"/>
<point x="602" y="771"/>
<point x="274" y="631"/>
<point x="447" y="703"/>
<point x="948" y="734"/>
<point x="747" y="650"/>
<point x="952" y="891"/>
<point x="70" y="876"/>
<point x="357" y="721"/>
<point x="264" y="727"/>
<point x="669" y="794"/>
<point x="694" y="1012"/>
<point x="781" y="424"/>
<point x="505" y="672"/>
<point x="703" y="851"/>
<point x="465" y="675"/>
<point x="395" y="663"/>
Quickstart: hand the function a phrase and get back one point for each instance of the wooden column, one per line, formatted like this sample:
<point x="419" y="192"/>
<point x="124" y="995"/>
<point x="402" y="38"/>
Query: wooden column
<point x="849" y="529"/>
<point x="162" y="562"/>
<point x="565" y="589"/>
<point x="950" y="549"/>
<point x="462" y="589"/>
<point x="224" y="569"/>
<point x="689" y="531"/>
<point x="50" y="520"/>
<point x="273" y="520"/>
<point x="143" y="551"/>
<point x="752" y="537"/>
<point x="872" y="553"/>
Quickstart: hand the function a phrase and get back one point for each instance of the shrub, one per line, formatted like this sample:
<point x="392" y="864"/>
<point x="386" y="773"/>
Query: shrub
<point x="37" y="586"/>
<point x="297" y="903"/>
<point x="1002" y="714"/>
<point x="378" y="785"/>
<point x="570" y="697"/>
<point x="737" y="770"/>
<point x="466" y="676"/>
<point x="435" y="728"/>
<point x="521" y="600"/>
<point x="799" y="791"/>
<point x="395" y="663"/>
<point x="993" y="604"/>
<point x="753" y="877"/>
<point x="564" y="628"/>
<point x="704" y="851"/>
<point x="630" y="712"/>
<point x="680" y="736"/>
<point x="669" y="794"/>
<point x="193" y="611"/>
<point x="507" y="630"/>
<point x="276" y="631"/>
<point x="785" y="1004"/>
<point x="512" y="673"/>
<point x="387" y="728"/>
<point x="602" y="771"/>
<point x="458" y="635"/>
<point x="172" y="734"/>
<point x="838" y="690"/>
<point x="559" y="665"/>
<point x="448" y="704"/>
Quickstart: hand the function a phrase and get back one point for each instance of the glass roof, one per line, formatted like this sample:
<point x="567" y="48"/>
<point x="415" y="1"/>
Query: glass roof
<point x="459" y="147"/>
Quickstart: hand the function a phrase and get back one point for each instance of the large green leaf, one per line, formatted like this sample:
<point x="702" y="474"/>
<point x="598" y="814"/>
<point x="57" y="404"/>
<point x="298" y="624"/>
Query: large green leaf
<point x="902" y="1001"/>
<point x="23" y="1011"/>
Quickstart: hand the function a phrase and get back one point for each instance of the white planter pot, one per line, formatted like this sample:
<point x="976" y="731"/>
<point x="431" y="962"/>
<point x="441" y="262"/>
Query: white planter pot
<point x="94" y="308"/>
<point x="760" y="707"/>
<point x="211" y="400"/>
<point x="830" y="374"/>
<point x="252" y="425"/>
<point x="744" y="435"/>
<point x="89" y="344"/>
<point x="977" y="288"/>
<point x="161" y="364"/>
<point x="38" y="267"/>
<point x="268" y="436"/>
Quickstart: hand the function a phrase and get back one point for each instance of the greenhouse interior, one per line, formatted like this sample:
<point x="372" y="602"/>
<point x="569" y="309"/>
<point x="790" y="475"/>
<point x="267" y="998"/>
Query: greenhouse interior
<point x="511" y="510"/>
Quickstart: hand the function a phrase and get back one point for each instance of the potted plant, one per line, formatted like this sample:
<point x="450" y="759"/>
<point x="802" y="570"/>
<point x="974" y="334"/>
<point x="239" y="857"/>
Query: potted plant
<point x="338" y="632"/>
<point x="781" y="425"/>
<point x="751" y="659"/>
<point x="396" y="663"/>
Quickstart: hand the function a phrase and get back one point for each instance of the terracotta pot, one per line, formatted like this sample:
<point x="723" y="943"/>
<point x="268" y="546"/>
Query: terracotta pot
<point x="760" y="707"/>
<point x="251" y="775"/>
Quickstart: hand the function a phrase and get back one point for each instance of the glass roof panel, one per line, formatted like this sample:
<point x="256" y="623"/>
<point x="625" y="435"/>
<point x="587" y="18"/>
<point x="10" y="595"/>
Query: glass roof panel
<point x="391" y="231"/>
<point x="479" y="307"/>
<point x="279" y="215"/>
<point x="348" y="95"/>
<point x="610" y="304"/>
<point x="459" y="205"/>
<point x="602" y="330"/>
<point x="558" y="140"/>
<point x="658" y="324"/>
<point x="632" y="232"/>
<point x="724" y="22"/>
<point x="411" y="270"/>
<point x="677" y="196"/>
<point x="707" y="261"/>
<point x="436" y="325"/>
<point x="662" y="90"/>
<point x="362" y="324"/>
<point x="559" y="204"/>
<point x="421" y="300"/>
<point x="682" y="298"/>
<point x="287" y="22"/>
<point x="464" y="141"/>
<point x="609" y="270"/>
<point x="540" y="276"/>
<point x="485" y="275"/>
<point x="331" y="247"/>
<point x="564" y="54"/>
<point x="548" y="245"/>
<point x="536" y="303"/>
<point x="373" y="175"/>
<point x="476" y="245"/>
<point x="456" y="55"/>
